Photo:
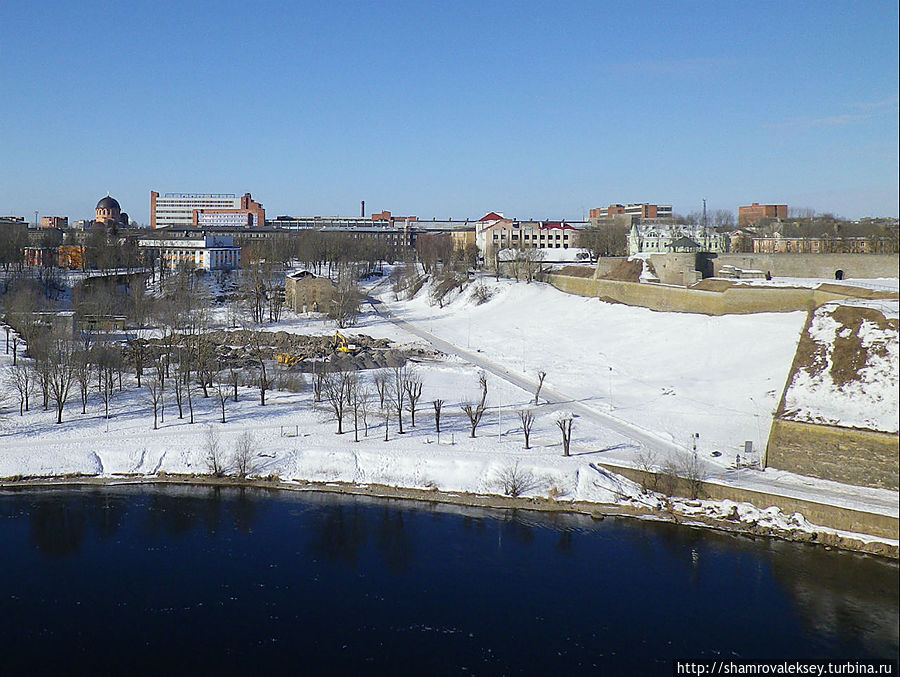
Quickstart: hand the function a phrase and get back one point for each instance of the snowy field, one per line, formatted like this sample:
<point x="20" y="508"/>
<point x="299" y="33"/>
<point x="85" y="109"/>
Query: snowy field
<point x="639" y="381"/>
<point x="675" y="374"/>
<point x="295" y="438"/>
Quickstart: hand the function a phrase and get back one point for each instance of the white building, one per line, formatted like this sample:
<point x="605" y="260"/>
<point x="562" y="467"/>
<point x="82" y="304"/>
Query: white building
<point x="237" y="219"/>
<point x="666" y="239"/>
<point x="191" y="209"/>
<point x="213" y="252"/>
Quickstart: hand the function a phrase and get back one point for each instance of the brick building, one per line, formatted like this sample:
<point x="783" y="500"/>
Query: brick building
<point x="756" y="211"/>
<point x="779" y="244"/>
<point x="641" y="210"/>
<point x="58" y="222"/>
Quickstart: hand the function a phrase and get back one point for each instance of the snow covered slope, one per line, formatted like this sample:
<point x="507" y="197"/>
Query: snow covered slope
<point x="847" y="371"/>
<point x="673" y="373"/>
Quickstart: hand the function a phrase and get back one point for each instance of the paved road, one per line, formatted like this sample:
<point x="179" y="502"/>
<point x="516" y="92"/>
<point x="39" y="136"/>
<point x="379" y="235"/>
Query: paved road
<point x="876" y="501"/>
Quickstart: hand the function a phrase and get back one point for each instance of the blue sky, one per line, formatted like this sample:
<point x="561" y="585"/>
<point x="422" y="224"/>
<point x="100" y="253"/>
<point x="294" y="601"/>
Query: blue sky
<point x="535" y="109"/>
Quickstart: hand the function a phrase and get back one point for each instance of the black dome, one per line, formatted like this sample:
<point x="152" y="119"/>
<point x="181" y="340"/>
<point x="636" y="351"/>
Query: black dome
<point x="108" y="203"/>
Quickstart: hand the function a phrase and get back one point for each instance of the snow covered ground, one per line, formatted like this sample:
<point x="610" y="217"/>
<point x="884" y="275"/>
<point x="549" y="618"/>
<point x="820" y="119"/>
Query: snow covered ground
<point x="875" y="284"/>
<point x="870" y="398"/>
<point x="639" y="381"/>
<point x="675" y="374"/>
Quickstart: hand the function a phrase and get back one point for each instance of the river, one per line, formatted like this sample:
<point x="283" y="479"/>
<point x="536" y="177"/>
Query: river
<point x="162" y="580"/>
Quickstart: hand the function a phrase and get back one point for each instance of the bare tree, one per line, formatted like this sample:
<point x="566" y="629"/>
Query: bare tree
<point x="386" y="415"/>
<point x="62" y="361"/>
<point x="526" y="417"/>
<point x="154" y="386"/>
<point x="221" y="393"/>
<point x="234" y="377"/>
<point x="83" y="374"/>
<point x="345" y="298"/>
<point x="476" y="411"/>
<point x="334" y="388"/>
<point x="381" y="387"/>
<point x="319" y="381"/>
<point x="213" y="449"/>
<point x="244" y="452"/>
<point x="412" y="385"/>
<point x="359" y="397"/>
<point x="398" y="393"/>
<point x="515" y="481"/>
<point x="160" y="368"/>
<point x="106" y="384"/>
<point x="258" y="350"/>
<point x="22" y="378"/>
<point x="178" y="382"/>
<point x="647" y="462"/>
<point x="537" y="393"/>
<point x="184" y="368"/>
<point x="692" y="469"/>
<point x="564" y="423"/>
<point x="438" y="405"/>
<point x="138" y="353"/>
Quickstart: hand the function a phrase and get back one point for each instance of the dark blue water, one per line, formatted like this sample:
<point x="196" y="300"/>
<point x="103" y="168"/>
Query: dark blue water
<point x="175" y="580"/>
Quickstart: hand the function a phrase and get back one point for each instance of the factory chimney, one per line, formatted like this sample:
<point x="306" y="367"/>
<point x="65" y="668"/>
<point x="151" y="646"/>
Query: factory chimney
<point x="362" y="209"/>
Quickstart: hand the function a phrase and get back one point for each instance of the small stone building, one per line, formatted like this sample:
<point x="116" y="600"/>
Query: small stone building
<point x="305" y="292"/>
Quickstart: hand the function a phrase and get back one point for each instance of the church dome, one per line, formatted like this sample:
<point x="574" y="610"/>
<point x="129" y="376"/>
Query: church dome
<point x="108" y="203"/>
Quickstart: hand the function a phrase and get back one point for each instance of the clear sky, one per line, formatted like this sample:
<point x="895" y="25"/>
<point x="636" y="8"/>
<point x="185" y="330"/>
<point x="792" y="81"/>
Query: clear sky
<point x="450" y="109"/>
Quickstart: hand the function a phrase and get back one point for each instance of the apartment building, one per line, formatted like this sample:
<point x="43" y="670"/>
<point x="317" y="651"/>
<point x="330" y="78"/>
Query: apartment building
<point x="642" y="210"/>
<point x="58" y="222"/>
<point x="178" y="209"/>
<point x="494" y="232"/>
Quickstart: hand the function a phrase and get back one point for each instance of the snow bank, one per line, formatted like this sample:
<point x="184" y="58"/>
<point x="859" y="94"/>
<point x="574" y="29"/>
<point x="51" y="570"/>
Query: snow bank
<point x="822" y="391"/>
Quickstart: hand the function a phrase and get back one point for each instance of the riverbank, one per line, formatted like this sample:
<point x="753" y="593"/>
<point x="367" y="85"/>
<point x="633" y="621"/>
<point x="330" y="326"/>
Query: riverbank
<point x="676" y="510"/>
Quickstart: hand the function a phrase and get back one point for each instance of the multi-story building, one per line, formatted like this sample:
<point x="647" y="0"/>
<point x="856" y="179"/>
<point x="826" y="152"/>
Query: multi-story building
<point x="178" y="209"/>
<point x="665" y="239"/>
<point x="382" y="220"/>
<point x="494" y="232"/>
<point x="640" y="210"/>
<point x="210" y="252"/>
<point x="780" y="244"/>
<point x="58" y="222"/>
<point x="756" y="211"/>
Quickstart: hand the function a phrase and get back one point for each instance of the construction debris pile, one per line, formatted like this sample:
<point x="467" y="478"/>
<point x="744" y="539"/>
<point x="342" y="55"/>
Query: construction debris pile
<point x="244" y="348"/>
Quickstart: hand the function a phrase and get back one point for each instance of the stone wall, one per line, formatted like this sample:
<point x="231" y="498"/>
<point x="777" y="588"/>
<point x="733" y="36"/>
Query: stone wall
<point x="677" y="269"/>
<point x="605" y="264"/>
<point x="813" y="265"/>
<point x="861" y="457"/>
<point x="821" y="514"/>
<point x="730" y="300"/>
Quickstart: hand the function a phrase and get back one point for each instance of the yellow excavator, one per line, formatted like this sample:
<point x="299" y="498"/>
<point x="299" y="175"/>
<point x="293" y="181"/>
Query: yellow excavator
<point x="342" y="346"/>
<point x="287" y="359"/>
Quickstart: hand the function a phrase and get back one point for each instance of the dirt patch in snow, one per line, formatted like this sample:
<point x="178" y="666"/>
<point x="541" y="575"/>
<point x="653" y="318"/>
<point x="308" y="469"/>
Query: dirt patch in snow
<point x="627" y="271"/>
<point x="848" y="353"/>
<point x="575" y="271"/>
